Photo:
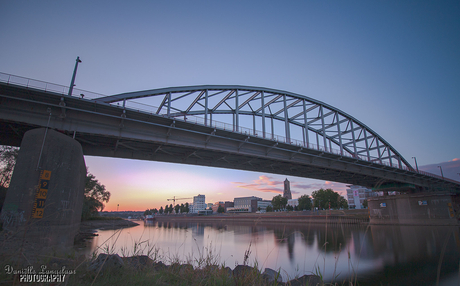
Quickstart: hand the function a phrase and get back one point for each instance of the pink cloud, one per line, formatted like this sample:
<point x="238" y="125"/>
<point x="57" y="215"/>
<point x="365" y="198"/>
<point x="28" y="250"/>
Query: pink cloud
<point x="267" y="184"/>
<point x="263" y="184"/>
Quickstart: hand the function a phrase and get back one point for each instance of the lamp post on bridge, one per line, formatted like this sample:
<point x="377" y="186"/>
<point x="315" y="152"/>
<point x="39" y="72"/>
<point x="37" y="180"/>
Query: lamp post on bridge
<point x="72" y="83"/>
<point x="416" y="166"/>
<point x="441" y="172"/>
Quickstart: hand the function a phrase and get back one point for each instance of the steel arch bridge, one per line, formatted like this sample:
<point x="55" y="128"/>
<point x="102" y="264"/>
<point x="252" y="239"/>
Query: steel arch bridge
<point x="256" y="111"/>
<point x="238" y="127"/>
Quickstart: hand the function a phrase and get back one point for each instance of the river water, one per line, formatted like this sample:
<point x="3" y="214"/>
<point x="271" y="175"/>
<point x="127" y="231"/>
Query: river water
<point x="371" y="255"/>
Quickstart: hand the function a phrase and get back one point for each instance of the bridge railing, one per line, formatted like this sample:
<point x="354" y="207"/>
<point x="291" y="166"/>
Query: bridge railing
<point x="46" y="86"/>
<point x="146" y="108"/>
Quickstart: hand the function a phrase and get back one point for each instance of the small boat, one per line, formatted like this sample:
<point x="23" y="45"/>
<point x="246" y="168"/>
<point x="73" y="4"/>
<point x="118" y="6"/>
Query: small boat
<point x="149" y="218"/>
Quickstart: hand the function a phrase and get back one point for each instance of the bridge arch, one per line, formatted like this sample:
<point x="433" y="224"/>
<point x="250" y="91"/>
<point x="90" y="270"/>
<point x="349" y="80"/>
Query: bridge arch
<point x="272" y="114"/>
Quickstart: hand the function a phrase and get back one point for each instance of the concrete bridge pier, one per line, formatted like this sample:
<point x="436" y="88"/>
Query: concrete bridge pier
<point x="42" y="209"/>
<point x="435" y="209"/>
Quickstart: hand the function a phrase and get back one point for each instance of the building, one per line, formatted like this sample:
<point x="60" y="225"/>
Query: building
<point x="287" y="190"/>
<point x="244" y="205"/>
<point x="263" y="204"/>
<point x="228" y="204"/>
<point x="198" y="204"/>
<point x="356" y="195"/>
<point x="293" y="202"/>
<point x="216" y="206"/>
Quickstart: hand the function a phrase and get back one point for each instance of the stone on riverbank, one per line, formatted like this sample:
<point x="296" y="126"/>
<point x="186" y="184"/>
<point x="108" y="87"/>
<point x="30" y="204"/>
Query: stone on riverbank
<point x="138" y="262"/>
<point x="306" y="280"/>
<point x="241" y="275"/>
<point x="272" y="276"/>
<point x="241" y="271"/>
<point x="106" y="262"/>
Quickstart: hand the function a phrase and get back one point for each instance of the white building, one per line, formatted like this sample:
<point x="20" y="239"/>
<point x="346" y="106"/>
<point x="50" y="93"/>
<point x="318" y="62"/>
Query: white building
<point x="293" y="202"/>
<point x="356" y="195"/>
<point x="245" y="204"/>
<point x="263" y="204"/>
<point x="198" y="204"/>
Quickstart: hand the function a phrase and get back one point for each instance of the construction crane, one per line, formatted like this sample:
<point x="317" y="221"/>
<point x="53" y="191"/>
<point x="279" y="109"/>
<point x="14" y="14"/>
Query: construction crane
<point x="174" y="199"/>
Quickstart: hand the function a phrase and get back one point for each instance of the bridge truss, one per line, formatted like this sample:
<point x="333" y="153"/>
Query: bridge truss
<point x="267" y="113"/>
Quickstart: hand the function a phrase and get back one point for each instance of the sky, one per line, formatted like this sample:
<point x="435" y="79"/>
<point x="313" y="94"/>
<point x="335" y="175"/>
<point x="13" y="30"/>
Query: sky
<point x="393" y="65"/>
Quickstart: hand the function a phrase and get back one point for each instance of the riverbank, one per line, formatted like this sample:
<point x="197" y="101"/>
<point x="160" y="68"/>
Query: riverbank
<point x="299" y="217"/>
<point x="105" y="224"/>
<point x="88" y="228"/>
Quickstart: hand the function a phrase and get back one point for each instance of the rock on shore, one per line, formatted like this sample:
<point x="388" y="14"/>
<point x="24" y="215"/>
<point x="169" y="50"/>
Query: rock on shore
<point x="242" y="274"/>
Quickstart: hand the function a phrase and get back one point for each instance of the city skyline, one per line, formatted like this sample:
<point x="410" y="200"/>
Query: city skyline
<point x="143" y="192"/>
<point x="392" y="65"/>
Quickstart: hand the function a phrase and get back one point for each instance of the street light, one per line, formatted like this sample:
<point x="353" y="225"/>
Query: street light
<point x="416" y="166"/>
<point x="72" y="83"/>
<point x="441" y="172"/>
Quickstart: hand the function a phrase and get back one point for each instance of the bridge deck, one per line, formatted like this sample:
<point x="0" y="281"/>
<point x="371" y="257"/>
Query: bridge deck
<point x="107" y="130"/>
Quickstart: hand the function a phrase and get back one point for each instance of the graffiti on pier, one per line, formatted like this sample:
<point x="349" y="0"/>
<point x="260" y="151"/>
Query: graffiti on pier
<point x="12" y="216"/>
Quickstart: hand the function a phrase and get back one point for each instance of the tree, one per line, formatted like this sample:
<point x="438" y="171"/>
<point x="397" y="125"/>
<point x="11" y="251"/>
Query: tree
<point x="187" y="208"/>
<point x="177" y="208"/>
<point x="304" y="202"/>
<point x="269" y="209"/>
<point x="220" y="209"/>
<point x="289" y="208"/>
<point x="150" y="211"/>
<point x="343" y="203"/>
<point x="8" y="156"/>
<point x="95" y="196"/>
<point x="279" y="202"/>
<point x="322" y="198"/>
<point x="365" y="204"/>
<point x="161" y="210"/>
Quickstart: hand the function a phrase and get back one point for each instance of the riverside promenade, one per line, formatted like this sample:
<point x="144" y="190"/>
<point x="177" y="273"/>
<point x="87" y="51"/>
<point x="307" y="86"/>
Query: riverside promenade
<point x="297" y="217"/>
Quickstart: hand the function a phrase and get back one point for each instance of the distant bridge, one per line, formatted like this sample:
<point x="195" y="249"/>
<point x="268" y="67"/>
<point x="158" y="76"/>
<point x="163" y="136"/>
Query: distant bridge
<point x="237" y="127"/>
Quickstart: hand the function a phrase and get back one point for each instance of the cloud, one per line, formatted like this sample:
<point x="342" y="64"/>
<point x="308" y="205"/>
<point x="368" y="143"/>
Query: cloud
<point x="263" y="184"/>
<point x="268" y="184"/>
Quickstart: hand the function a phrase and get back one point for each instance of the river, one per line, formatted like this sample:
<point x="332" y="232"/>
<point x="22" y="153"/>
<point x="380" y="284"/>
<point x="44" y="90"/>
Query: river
<point x="371" y="255"/>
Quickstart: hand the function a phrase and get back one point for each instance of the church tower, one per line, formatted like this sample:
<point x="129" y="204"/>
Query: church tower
<point x="287" y="190"/>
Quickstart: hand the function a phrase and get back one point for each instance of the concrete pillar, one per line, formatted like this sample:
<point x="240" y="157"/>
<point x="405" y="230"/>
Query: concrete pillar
<point x="434" y="208"/>
<point x="43" y="205"/>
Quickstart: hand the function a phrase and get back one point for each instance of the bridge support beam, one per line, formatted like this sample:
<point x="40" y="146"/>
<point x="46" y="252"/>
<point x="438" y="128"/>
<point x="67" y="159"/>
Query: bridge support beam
<point x="415" y="209"/>
<point x="43" y="205"/>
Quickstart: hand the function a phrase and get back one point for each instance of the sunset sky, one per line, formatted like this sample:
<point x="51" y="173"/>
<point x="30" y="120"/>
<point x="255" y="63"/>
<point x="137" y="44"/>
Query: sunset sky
<point x="393" y="65"/>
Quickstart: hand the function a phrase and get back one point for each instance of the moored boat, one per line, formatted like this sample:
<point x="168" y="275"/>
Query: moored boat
<point x="149" y="218"/>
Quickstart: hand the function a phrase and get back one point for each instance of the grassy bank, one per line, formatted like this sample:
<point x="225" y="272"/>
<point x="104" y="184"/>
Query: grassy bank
<point x="142" y="270"/>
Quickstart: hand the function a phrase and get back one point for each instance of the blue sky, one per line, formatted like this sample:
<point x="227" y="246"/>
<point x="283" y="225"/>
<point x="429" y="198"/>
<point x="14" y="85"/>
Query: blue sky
<point x="393" y="65"/>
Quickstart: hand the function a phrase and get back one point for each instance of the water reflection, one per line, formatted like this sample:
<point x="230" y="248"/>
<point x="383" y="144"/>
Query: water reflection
<point x="394" y="255"/>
